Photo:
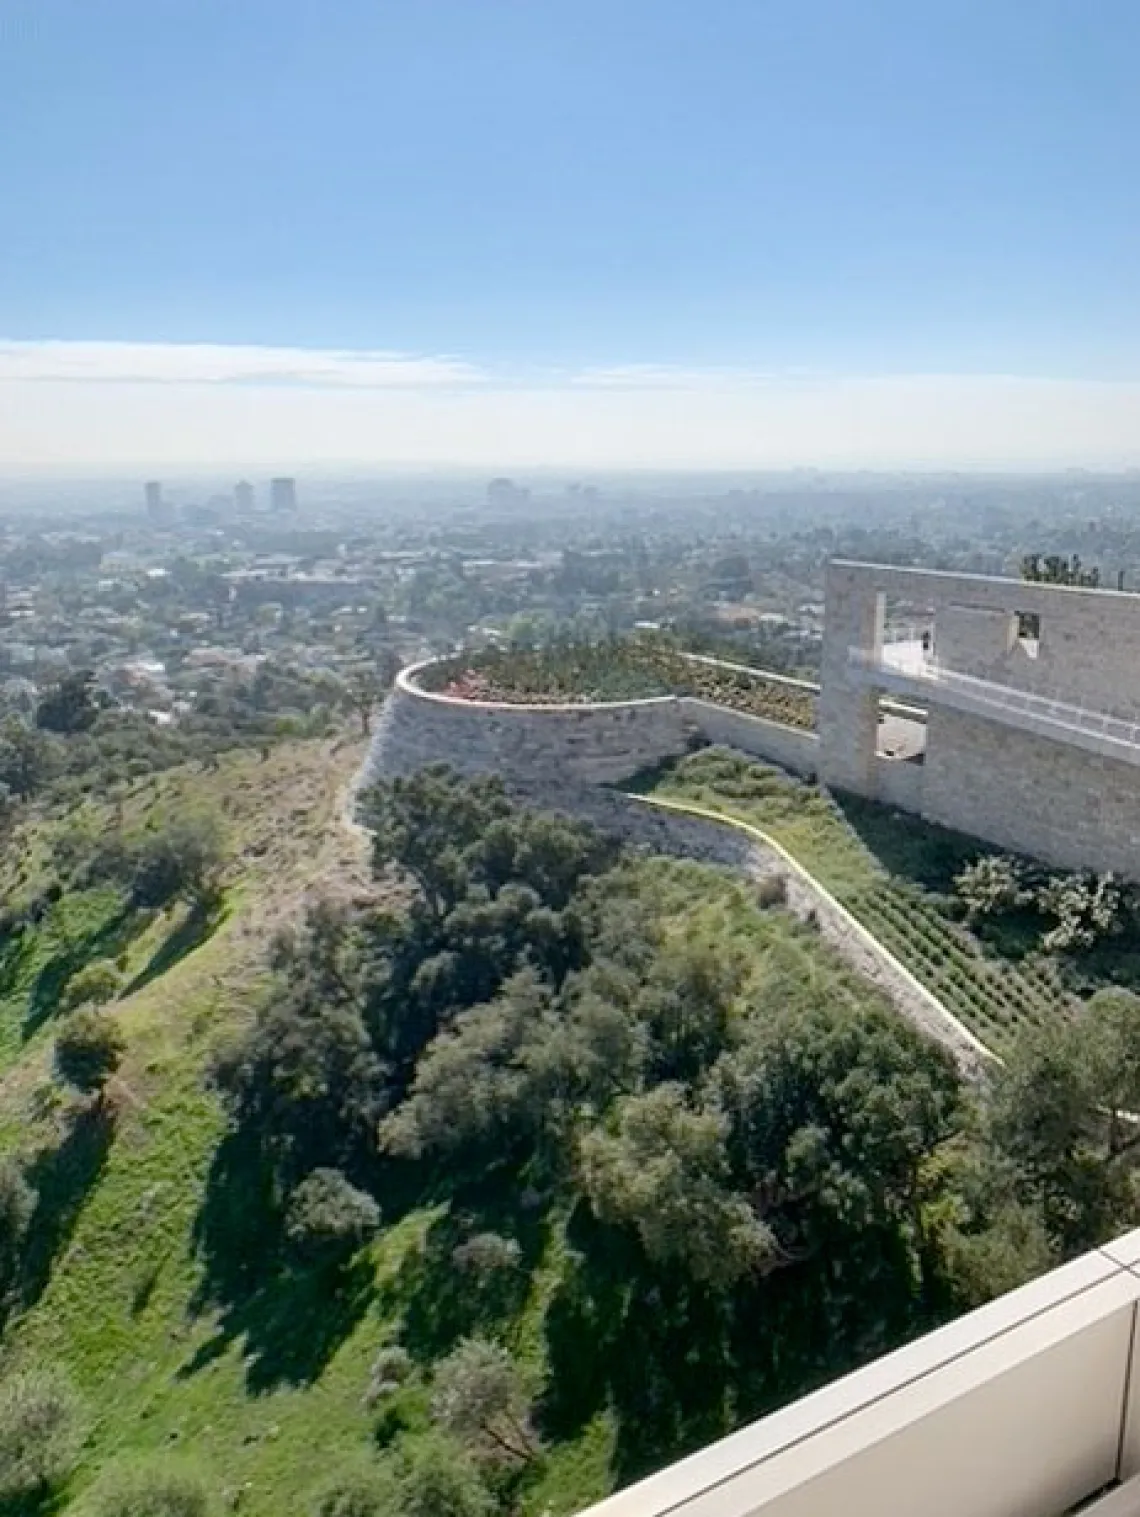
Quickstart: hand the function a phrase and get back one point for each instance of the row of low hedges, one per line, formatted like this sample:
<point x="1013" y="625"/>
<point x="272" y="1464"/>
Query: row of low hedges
<point x="621" y="670"/>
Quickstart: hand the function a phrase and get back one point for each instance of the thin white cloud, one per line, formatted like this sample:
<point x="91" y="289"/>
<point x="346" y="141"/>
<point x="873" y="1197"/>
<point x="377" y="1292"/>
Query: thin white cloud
<point x="217" y="363"/>
<point x="119" y="404"/>
<point x="648" y="376"/>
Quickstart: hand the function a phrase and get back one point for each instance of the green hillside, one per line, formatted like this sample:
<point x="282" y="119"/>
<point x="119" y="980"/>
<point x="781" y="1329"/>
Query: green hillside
<point x="117" y="1273"/>
<point x="482" y="1173"/>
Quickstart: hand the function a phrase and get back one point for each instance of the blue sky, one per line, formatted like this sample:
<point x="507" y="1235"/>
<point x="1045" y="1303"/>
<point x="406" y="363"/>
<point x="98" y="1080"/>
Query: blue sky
<point x="539" y="197"/>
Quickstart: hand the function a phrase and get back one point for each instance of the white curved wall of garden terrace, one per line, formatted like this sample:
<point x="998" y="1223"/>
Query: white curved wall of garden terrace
<point x="537" y="747"/>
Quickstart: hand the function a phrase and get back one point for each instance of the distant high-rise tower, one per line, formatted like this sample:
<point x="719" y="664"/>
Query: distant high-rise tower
<point x="504" y="492"/>
<point x="243" y="497"/>
<point x="283" y="496"/>
<point x="155" y="505"/>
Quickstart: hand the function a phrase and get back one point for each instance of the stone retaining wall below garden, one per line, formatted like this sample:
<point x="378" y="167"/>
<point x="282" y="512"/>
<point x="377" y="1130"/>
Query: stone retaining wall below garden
<point x="595" y="744"/>
<point x="791" y="748"/>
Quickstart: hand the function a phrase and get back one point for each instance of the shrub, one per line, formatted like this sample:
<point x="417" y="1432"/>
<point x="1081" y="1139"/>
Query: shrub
<point x="772" y="890"/>
<point x="39" y="1433"/>
<point x="88" y="1050"/>
<point x="153" y="1489"/>
<point x="440" y="1481"/>
<point x="991" y="887"/>
<point x="390" y="1368"/>
<point x="182" y="857"/>
<point x="328" y="1218"/>
<point x="479" y="1399"/>
<point x="487" y="1254"/>
<point x="359" y="1490"/>
<point x="94" y="985"/>
<point x="1085" y="908"/>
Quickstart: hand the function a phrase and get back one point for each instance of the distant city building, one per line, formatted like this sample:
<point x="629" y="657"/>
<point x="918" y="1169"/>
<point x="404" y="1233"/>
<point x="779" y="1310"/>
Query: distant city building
<point x="283" y="496"/>
<point x="244" y="499"/>
<point x="504" y="492"/>
<point x="156" y="508"/>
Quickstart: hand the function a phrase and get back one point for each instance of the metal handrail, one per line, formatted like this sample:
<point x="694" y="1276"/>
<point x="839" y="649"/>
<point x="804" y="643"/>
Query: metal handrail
<point x="1009" y="697"/>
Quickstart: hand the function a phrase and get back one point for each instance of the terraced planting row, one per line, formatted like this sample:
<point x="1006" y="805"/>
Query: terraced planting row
<point x="624" y="669"/>
<point x="997" y="999"/>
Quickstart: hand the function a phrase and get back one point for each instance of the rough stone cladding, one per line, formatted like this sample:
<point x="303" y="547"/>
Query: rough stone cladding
<point x="590" y="744"/>
<point x="1073" y="809"/>
<point x="553" y="745"/>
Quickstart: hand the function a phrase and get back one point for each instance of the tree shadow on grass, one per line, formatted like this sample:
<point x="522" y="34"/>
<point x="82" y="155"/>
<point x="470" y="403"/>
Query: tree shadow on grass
<point x="197" y="927"/>
<point x="646" y="1343"/>
<point x="51" y="982"/>
<point x="291" y="1321"/>
<point x="35" y="1504"/>
<point x="909" y="848"/>
<point x="679" y="1366"/>
<point x="63" y="1178"/>
<point x="439" y="1301"/>
<point x="292" y="1325"/>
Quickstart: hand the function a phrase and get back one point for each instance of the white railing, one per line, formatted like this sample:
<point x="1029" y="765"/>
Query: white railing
<point x="1005" y="697"/>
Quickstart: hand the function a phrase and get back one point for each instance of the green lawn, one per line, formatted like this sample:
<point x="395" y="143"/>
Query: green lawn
<point x="891" y="872"/>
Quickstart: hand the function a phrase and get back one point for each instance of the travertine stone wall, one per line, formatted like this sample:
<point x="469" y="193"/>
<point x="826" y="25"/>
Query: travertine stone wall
<point x="1071" y="808"/>
<point x="792" y="748"/>
<point x="1089" y="645"/>
<point x="848" y="711"/>
<point x="900" y="783"/>
<point x="1022" y="790"/>
<point x="555" y="745"/>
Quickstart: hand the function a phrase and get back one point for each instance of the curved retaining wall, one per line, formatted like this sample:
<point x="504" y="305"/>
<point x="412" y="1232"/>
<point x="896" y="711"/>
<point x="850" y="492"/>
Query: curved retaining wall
<point x="528" y="745"/>
<point x="542" y="746"/>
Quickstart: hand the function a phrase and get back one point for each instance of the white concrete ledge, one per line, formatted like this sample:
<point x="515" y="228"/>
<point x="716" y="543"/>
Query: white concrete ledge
<point x="1024" y="1408"/>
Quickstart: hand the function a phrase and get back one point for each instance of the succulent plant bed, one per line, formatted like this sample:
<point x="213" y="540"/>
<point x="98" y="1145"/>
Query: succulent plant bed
<point x="618" y="670"/>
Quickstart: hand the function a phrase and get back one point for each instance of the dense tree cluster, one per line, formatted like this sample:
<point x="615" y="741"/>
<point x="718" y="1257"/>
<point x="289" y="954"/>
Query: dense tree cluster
<point x="1059" y="569"/>
<point x="175" y="854"/>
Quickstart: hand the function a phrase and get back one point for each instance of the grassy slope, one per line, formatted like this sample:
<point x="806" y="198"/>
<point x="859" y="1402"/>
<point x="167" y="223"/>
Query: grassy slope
<point x="117" y="1307"/>
<point x="882" y="867"/>
<point x="270" y="1398"/>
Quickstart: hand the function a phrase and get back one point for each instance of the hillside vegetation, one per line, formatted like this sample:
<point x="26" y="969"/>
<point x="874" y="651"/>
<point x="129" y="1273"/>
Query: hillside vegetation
<point x="470" y="1170"/>
<point x="112" y="1271"/>
<point x="896" y="875"/>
